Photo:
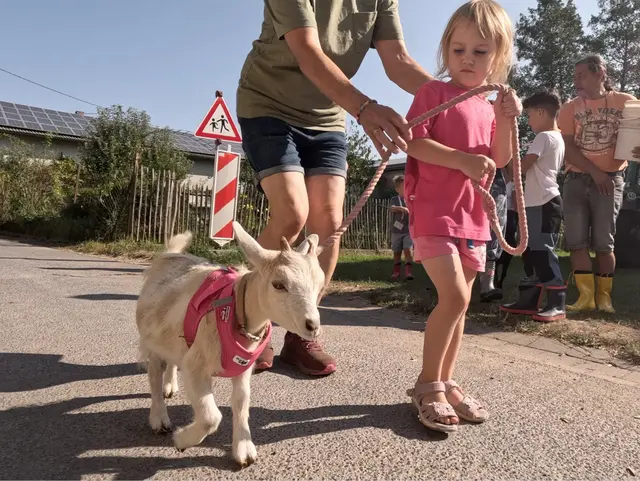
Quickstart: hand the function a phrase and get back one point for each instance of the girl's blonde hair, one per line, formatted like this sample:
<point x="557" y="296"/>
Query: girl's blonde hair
<point x="493" y="22"/>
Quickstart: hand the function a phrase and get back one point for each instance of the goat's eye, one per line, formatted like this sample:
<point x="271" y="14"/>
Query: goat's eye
<point x="279" y="286"/>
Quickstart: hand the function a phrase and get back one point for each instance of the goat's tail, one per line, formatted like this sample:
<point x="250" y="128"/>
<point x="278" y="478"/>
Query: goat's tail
<point x="179" y="243"/>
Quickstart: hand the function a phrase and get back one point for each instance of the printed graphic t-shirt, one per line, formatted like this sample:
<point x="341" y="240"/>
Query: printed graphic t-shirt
<point x="594" y="127"/>
<point x="441" y="200"/>
<point x="541" y="183"/>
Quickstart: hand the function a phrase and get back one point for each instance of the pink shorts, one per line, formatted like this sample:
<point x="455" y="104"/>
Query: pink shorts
<point x="473" y="253"/>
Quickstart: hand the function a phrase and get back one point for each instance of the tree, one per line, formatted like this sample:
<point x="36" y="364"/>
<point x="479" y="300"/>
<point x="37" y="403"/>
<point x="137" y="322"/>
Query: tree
<point x="116" y="141"/>
<point x="616" y="35"/>
<point x="549" y="39"/>
<point x="359" y="158"/>
<point x="115" y="138"/>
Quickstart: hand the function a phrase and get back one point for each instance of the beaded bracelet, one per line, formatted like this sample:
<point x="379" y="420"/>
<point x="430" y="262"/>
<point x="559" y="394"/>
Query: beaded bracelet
<point x="364" y="105"/>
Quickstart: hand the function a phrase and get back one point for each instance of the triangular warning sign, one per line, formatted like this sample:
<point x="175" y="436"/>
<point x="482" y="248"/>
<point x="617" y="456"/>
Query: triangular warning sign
<point x="219" y="124"/>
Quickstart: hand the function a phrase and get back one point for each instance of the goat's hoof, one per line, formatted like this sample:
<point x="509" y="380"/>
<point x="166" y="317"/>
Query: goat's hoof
<point x="163" y="430"/>
<point x="160" y="425"/>
<point x="245" y="453"/>
<point x="168" y="390"/>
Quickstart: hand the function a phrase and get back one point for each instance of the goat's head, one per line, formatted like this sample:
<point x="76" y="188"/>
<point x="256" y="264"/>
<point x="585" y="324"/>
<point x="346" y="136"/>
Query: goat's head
<point x="290" y="282"/>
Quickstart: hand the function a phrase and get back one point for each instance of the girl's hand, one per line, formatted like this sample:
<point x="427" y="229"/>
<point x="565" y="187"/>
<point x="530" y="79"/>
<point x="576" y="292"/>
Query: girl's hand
<point x="476" y="166"/>
<point x="507" y="104"/>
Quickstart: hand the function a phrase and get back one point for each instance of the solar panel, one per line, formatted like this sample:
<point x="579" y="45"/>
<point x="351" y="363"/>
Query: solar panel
<point x="43" y="120"/>
<point x="47" y="120"/>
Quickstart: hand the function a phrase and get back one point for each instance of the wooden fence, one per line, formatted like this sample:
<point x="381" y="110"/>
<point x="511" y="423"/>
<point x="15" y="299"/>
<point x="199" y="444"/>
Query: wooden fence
<point x="162" y="207"/>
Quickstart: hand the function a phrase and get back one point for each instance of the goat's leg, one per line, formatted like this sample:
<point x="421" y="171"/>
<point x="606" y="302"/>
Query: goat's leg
<point x="243" y="449"/>
<point x="170" y="381"/>
<point x="158" y="416"/>
<point x="207" y="416"/>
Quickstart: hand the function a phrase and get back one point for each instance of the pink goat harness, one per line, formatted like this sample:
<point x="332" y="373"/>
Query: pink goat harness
<point x="216" y="294"/>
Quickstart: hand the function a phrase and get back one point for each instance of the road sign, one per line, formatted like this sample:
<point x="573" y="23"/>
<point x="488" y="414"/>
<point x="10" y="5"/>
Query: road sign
<point x="225" y="196"/>
<point x="219" y="124"/>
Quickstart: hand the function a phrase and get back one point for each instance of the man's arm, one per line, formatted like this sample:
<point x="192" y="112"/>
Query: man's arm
<point x="331" y="81"/>
<point x="573" y="156"/>
<point x="400" y="67"/>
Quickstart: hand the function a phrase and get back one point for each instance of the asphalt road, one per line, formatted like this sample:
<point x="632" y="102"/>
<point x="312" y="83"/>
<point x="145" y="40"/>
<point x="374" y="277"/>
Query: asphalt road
<point x="73" y="403"/>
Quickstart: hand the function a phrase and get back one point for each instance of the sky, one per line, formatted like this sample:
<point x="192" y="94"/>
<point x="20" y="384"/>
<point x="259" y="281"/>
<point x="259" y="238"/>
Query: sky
<point x="168" y="57"/>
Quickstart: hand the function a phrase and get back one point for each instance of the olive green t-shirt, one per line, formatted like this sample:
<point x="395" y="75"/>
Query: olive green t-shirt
<point x="271" y="83"/>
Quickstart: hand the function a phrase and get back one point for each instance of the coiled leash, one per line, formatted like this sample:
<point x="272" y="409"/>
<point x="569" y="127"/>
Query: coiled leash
<point x="489" y="203"/>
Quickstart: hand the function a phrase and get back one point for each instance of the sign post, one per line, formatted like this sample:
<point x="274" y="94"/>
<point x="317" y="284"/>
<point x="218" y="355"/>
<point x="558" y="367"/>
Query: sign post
<point x="218" y="124"/>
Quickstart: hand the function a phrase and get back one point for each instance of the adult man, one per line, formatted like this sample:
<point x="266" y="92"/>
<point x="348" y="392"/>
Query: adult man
<point x="293" y="92"/>
<point x="594" y="183"/>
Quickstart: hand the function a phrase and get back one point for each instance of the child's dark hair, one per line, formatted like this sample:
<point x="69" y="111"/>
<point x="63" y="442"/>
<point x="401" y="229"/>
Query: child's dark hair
<point x="547" y="100"/>
<point x="398" y="180"/>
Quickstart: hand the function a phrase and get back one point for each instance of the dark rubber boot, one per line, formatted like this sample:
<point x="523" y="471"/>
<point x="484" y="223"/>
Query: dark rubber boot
<point x="555" y="308"/>
<point x="528" y="302"/>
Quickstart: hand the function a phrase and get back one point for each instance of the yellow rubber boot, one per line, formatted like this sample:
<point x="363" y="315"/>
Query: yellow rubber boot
<point x="587" y="288"/>
<point x="603" y="295"/>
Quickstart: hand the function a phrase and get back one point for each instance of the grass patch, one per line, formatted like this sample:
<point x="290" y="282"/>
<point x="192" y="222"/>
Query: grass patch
<point x="368" y="274"/>
<point x="144" y="251"/>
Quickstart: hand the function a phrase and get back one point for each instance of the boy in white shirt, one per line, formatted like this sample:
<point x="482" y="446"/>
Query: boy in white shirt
<point x="544" y="213"/>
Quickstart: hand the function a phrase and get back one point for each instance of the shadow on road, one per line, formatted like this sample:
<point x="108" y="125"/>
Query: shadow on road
<point x="27" y="372"/>
<point x="61" y="435"/>
<point x="39" y="259"/>
<point x="109" y="269"/>
<point x="106" y="297"/>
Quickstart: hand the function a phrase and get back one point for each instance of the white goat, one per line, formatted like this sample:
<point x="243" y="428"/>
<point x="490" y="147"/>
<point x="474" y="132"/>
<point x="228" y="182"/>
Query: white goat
<point x="282" y="285"/>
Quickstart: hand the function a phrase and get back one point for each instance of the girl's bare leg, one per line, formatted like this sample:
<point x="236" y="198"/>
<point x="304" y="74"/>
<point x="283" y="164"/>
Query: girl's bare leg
<point x="451" y="283"/>
<point x="456" y="340"/>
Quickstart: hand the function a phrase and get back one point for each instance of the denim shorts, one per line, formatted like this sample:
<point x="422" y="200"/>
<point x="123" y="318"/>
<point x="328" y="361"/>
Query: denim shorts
<point x="273" y="146"/>
<point x="590" y="217"/>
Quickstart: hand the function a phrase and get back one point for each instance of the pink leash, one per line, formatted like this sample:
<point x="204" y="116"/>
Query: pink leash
<point x="489" y="203"/>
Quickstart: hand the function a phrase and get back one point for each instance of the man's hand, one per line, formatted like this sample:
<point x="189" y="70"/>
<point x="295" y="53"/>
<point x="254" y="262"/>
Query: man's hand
<point x="476" y="166"/>
<point x="636" y="152"/>
<point x="507" y="104"/>
<point x="388" y="130"/>
<point x="603" y="181"/>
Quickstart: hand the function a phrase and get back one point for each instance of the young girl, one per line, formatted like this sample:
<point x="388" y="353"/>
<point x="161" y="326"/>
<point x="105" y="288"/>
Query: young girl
<point x="446" y="218"/>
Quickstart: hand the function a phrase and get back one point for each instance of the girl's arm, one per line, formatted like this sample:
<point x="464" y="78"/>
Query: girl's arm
<point x="432" y="152"/>
<point x="501" y="151"/>
<point x="506" y="106"/>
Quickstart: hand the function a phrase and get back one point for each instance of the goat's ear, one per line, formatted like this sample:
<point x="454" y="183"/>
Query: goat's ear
<point x="284" y="245"/>
<point x="309" y="245"/>
<point x="254" y="252"/>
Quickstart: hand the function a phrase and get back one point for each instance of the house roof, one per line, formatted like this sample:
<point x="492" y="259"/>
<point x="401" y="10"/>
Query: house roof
<point x="27" y="120"/>
<point x="395" y="163"/>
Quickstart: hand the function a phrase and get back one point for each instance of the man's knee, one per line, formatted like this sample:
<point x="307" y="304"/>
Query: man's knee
<point x="324" y="220"/>
<point x="290" y="222"/>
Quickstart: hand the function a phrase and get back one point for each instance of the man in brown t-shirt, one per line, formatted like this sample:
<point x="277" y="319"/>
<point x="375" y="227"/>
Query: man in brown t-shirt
<point x="594" y="181"/>
<point x="293" y="96"/>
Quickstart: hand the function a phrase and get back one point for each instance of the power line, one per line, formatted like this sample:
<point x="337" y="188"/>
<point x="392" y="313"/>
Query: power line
<point x="49" y="88"/>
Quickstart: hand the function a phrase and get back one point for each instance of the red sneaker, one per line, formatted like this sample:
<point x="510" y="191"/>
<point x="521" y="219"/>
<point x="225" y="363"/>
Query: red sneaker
<point x="396" y="272"/>
<point x="265" y="360"/>
<point x="408" y="273"/>
<point x="307" y="356"/>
